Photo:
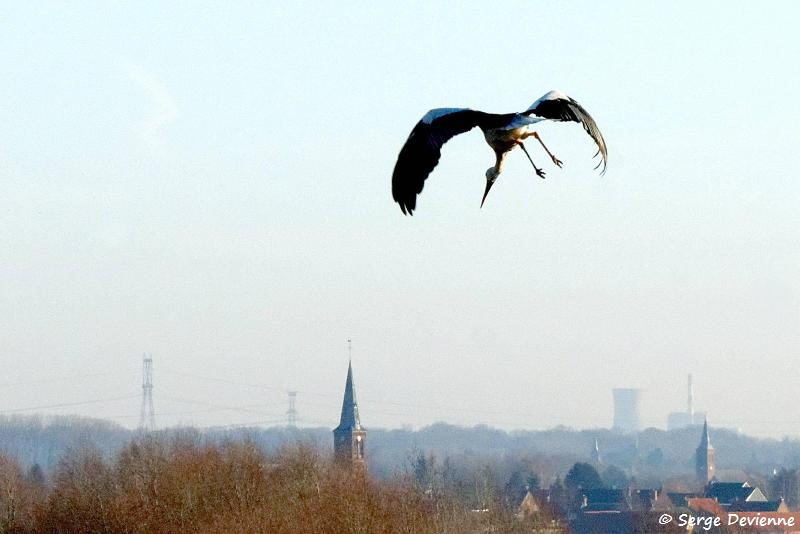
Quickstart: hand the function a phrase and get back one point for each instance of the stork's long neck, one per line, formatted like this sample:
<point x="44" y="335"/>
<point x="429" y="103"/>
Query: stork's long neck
<point x="501" y="159"/>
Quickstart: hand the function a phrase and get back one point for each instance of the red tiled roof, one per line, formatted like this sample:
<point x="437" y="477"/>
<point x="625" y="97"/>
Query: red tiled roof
<point x="705" y="504"/>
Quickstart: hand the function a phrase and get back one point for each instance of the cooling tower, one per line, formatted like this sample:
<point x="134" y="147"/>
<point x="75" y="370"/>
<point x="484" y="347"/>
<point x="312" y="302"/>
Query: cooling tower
<point x="627" y="409"/>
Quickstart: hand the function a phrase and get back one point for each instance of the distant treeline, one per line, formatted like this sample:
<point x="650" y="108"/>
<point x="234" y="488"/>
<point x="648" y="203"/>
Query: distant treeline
<point x="181" y="484"/>
<point x="69" y="474"/>
<point x="651" y="456"/>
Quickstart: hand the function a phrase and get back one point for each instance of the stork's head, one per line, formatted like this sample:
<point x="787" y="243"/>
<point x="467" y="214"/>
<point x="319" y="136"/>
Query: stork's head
<point x="491" y="176"/>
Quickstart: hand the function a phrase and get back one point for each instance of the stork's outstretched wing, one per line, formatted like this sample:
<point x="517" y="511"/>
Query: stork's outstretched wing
<point x="421" y="152"/>
<point x="557" y="106"/>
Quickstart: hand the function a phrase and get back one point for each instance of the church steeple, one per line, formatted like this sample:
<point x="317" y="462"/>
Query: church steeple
<point x="349" y="438"/>
<point x="349" y="418"/>
<point x="704" y="458"/>
<point x="596" y="453"/>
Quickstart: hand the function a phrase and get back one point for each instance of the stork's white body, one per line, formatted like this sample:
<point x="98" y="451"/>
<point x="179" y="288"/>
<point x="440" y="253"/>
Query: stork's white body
<point x="504" y="139"/>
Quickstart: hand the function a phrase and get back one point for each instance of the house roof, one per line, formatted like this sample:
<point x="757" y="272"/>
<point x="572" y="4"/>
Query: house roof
<point x="705" y="504"/>
<point x="730" y="492"/>
<point x="680" y="499"/>
<point x="605" y="499"/>
<point x="644" y="498"/>
<point x="606" y="508"/>
<point x="757" y="506"/>
<point x="529" y="505"/>
<point x="604" y="495"/>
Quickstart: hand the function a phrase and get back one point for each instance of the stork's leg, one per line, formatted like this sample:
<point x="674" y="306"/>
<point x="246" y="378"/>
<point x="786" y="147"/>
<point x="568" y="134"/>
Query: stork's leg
<point x="557" y="162"/>
<point x="539" y="172"/>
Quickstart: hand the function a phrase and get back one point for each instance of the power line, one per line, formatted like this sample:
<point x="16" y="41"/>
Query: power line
<point x="366" y="400"/>
<point x="222" y="380"/>
<point x="181" y="412"/>
<point x="68" y="404"/>
<point x="49" y="380"/>
<point x="251" y="423"/>
<point x="246" y="384"/>
<point x="221" y="407"/>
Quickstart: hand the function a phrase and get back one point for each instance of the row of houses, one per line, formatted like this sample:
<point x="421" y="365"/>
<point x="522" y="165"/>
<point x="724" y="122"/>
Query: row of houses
<point x="623" y="510"/>
<point x="613" y="510"/>
<point x="606" y="510"/>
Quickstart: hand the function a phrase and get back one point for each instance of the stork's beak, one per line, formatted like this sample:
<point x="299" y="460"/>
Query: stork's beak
<point x="489" y="184"/>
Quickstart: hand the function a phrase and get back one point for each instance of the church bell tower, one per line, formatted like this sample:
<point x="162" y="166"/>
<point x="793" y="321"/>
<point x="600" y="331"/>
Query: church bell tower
<point x="704" y="458"/>
<point x="349" y="438"/>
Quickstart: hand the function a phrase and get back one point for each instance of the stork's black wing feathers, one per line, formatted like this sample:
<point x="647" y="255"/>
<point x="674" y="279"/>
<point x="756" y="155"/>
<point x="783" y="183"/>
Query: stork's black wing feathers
<point x="421" y="152"/>
<point x="560" y="107"/>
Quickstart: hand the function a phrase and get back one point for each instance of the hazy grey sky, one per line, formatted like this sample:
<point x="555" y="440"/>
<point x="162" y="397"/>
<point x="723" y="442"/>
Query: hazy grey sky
<point x="210" y="183"/>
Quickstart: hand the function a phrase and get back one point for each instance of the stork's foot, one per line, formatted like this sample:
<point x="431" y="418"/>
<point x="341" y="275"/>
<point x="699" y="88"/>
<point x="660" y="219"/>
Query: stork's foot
<point x="539" y="172"/>
<point x="557" y="162"/>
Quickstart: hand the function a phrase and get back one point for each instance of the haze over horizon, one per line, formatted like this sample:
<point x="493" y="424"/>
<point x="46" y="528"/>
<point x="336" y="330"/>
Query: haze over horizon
<point x="211" y="185"/>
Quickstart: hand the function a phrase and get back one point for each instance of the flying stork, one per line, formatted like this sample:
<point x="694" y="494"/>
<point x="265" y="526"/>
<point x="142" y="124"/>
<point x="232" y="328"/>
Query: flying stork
<point x="503" y="132"/>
